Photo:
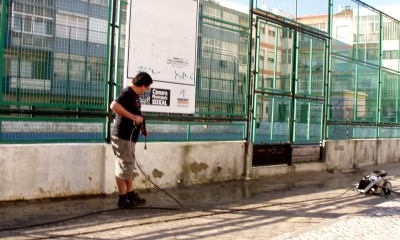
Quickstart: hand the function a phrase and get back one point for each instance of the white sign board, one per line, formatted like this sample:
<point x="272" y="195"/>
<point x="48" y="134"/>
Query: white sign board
<point x="163" y="42"/>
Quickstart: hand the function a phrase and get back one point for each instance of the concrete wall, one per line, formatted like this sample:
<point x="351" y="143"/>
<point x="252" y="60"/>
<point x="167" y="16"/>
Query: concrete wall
<point x="50" y="170"/>
<point x="58" y="170"/>
<point x="345" y="154"/>
<point x="35" y="171"/>
<point x="174" y="164"/>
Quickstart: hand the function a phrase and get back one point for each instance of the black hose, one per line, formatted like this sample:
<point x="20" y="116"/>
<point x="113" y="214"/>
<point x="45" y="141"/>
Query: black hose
<point x="162" y="208"/>
<point x="208" y="214"/>
<point x="390" y="190"/>
<point x="147" y="177"/>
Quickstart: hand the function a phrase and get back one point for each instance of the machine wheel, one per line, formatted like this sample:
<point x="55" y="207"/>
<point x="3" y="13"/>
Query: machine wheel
<point x="387" y="188"/>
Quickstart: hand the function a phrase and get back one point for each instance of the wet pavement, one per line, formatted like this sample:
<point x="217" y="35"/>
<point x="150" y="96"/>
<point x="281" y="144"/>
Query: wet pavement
<point x="314" y="205"/>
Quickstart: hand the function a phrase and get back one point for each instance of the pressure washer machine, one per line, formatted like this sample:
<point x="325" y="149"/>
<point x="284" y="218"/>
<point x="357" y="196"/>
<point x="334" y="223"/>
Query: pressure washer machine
<point x="375" y="183"/>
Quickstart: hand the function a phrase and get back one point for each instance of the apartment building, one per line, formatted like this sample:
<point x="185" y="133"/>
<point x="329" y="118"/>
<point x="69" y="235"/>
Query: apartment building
<point x="55" y="52"/>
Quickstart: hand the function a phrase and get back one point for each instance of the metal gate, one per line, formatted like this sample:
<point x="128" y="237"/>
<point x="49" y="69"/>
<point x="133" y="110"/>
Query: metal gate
<point x="289" y="89"/>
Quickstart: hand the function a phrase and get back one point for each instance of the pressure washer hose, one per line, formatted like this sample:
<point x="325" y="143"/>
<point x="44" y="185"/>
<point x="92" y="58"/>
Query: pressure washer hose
<point x="146" y="176"/>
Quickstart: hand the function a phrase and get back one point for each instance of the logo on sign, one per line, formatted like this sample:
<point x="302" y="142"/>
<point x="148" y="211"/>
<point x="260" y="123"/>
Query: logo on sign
<point x="160" y="97"/>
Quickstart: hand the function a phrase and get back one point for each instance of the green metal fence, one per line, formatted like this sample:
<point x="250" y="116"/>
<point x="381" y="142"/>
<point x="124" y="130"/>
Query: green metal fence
<point x="290" y="84"/>
<point x="59" y="65"/>
<point x="303" y="93"/>
<point x="222" y="85"/>
<point x="54" y="59"/>
<point x="30" y="130"/>
<point x="363" y="99"/>
<point x="294" y="71"/>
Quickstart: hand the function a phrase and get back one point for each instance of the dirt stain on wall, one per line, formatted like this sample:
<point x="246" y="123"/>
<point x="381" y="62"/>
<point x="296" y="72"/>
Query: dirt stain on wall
<point x="157" y="174"/>
<point x="197" y="167"/>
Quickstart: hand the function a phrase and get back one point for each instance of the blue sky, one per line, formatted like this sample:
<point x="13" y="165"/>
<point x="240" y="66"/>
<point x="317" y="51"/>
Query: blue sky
<point x="310" y="7"/>
<point x="377" y="3"/>
<point x="373" y="3"/>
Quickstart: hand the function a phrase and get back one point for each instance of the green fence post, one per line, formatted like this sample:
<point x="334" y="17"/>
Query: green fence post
<point x="112" y="16"/>
<point x="379" y="88"/>
<point x="250" y="87"/>
<point x="188" y="132"/>
<point x="2" y="32"/>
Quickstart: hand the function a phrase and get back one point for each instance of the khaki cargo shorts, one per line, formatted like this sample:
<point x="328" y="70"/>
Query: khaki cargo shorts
<point x="124" y="158"/>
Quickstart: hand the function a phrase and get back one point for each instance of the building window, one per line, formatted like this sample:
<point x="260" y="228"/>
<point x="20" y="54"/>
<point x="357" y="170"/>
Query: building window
<point x="361" y="38"/>
<point x="391" y="54"/>
<point x="342" y="32"/>
<point x="43" y="26"/>
<point x="320" y="26"/>
<point x="71" y="26"/>
<point x="97" y="33"/>
<point x="101" y="2"/>
<point x="271" y="33"/>
<point x="287" y="56"/>
<point x="230" y="17"/>
<point x="369" y="28"/>
<point x="390" y="31"/>
<point x="262" y="30"/>
<point x="271" y="57"/>
<point x="212" y="12"/>
<point x="28" y="20"/>
<point x="17" y="22"/>
<point x="372" y="53"/>
<point x="23" y="68"/>
<point x="286" y="33"/>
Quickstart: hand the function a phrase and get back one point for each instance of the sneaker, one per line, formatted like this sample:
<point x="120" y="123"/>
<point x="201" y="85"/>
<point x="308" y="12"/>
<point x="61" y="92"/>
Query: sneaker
<point x="125" y="204"/>
<point x="134" y="197"/>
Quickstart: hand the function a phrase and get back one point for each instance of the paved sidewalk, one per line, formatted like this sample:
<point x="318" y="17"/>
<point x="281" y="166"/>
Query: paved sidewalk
<point x="380" y="222"/>
<point x="317" y="205"/>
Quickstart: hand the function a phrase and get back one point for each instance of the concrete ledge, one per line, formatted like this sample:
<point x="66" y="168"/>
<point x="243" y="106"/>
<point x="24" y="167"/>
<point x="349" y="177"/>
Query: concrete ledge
<point x="263" y="171"/>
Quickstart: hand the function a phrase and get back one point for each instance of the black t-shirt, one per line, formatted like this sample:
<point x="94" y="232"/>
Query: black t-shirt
<point x="123" y="126"/>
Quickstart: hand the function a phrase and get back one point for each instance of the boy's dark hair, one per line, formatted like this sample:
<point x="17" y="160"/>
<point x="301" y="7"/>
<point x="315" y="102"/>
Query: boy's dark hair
<point x="142" y="78"/>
